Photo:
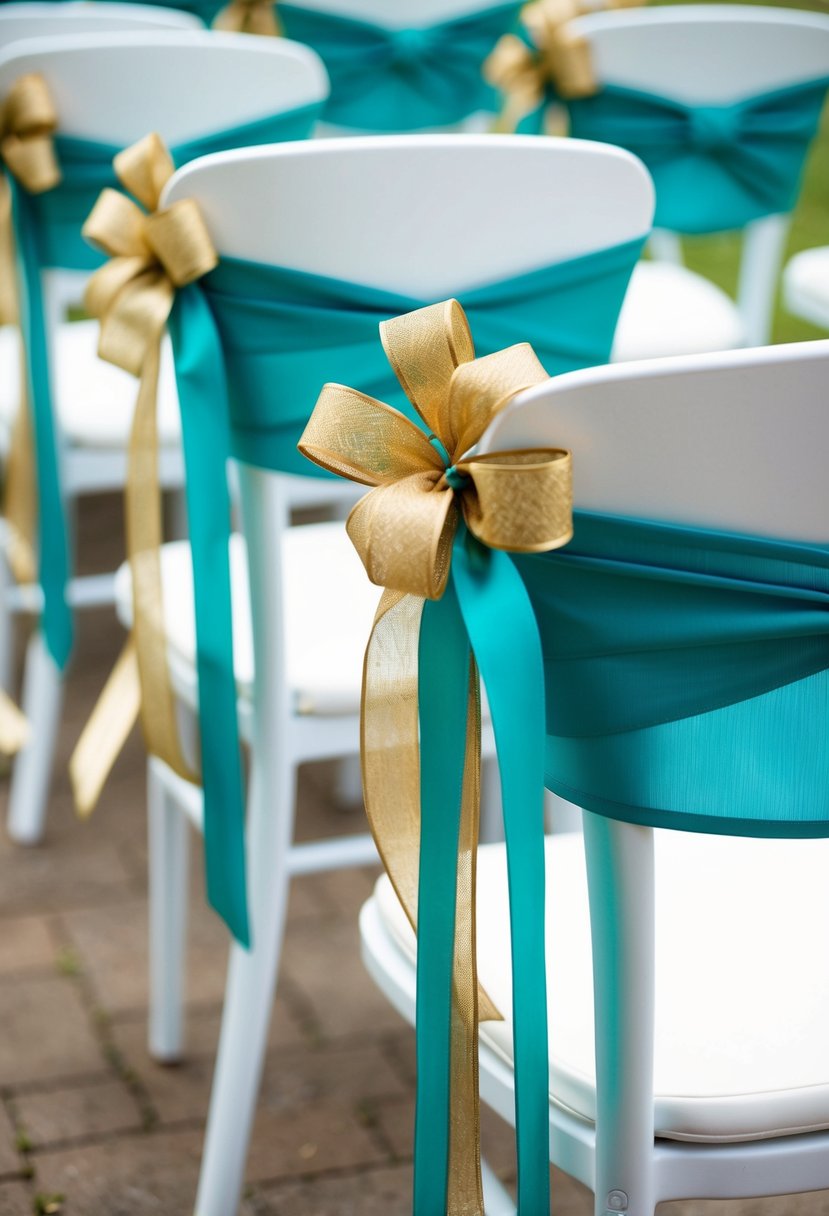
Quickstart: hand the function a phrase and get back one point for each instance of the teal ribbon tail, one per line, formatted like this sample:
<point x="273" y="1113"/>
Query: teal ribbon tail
<point x="52" y="536"/>
<point x="502" y="629"/>
<point x="200" y="378"/>
<point x="443" y="691"/>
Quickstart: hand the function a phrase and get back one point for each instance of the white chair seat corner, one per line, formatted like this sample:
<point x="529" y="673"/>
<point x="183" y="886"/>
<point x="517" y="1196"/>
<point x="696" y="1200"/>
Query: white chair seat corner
<point x="671" y="310"/>
<point x="95" y="400"/>
<point x="806" y="286"/>
<point x="741" y="1050"/>
<point x="329" y="607"/>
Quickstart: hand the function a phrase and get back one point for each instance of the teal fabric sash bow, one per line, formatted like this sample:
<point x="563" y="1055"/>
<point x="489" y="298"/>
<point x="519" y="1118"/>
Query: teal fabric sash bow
<point x="402" y="80"/>
<point x="253" y="345"/>
<point x="48" y="236"/>
<point x="688" y="676"/>
<point x="715" y="167"/>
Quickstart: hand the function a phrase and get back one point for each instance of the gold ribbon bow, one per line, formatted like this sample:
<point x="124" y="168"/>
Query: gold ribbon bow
<point x="152" y="252"/>
<point x="28" y="121"/>
<point x="249" y="17"/>
<point x="558" y="57"/>
<point x="403" y="530"/>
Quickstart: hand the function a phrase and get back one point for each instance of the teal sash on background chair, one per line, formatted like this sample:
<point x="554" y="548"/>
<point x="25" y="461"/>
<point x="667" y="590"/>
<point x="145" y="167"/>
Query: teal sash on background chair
<point x="402" y="80"/>
<point x="715" y="167"/>
<point x="48" y="236"/>
<point x="269" y="337"/>
<point x="687" y="676"/>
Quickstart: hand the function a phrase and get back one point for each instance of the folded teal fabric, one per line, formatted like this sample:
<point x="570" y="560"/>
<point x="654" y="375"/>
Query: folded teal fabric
<point x="402" y="80"/>
<point x="686" y="675"/>
<point x="715" y="167"/>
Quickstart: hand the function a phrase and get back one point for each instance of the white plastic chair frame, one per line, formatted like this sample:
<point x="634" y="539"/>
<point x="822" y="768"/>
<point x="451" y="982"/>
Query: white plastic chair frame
<point x="706" y="53"/>
<point x="725" y="408"/>
<point x="99" y="84"/>
<point x="425" y="215"/>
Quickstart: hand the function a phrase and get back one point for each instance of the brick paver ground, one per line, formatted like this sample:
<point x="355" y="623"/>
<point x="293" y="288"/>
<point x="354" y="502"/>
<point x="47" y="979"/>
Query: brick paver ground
<point x="90" y="1126"/>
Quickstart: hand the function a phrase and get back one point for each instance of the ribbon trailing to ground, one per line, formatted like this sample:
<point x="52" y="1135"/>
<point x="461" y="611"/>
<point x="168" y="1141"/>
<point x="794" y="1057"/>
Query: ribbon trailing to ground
<point x="435" y="532"/>
<point x="154" y="255"/>
<point x="249" y="17"/>
<point x="28" y="121"/>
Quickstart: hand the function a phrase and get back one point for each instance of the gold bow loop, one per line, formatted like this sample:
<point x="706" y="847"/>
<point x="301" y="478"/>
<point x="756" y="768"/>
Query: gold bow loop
<point x="249" y="17"/>
<point x="28" y="121"/>
<point x="152" y="253"/>
<point x="404" y="527"/>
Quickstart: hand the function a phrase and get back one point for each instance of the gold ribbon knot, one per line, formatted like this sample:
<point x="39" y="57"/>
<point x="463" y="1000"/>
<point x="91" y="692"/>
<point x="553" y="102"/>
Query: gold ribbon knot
<point x="28" y="121"/>
<point x="403" y="530"/>
<point x="249" y="17"/>
<point x="153" y="252"/>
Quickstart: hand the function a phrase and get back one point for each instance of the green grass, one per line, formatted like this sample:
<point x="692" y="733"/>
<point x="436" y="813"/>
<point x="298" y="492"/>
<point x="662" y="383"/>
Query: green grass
<point x="718" y="257"/>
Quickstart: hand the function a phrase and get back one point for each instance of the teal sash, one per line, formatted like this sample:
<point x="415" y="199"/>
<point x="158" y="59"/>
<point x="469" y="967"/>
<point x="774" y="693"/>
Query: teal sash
<point x="48" y="236"/>
<point x="687" y="675"/>
<point x="715" y="167"/>
<point x="402" y="80"/>
<point x="253" y="345"/>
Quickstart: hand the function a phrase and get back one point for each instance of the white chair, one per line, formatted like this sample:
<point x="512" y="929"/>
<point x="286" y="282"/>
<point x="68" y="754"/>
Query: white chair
<point x="362" y="210"/>
<point x="710" y="1072"/>
<point x="201" y="82"/>
<point x="704" y="54"/>
<point x="38" y="20"/>
<point x="806" y="286"/>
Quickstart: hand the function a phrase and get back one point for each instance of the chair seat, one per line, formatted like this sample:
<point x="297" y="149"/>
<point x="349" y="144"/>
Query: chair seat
<point x="95" y="400"/>
<point x="742" y="1002"/>
<point x="806" y="286"/>
<point x="329" y="609"/>
<point x="670" y="310"/>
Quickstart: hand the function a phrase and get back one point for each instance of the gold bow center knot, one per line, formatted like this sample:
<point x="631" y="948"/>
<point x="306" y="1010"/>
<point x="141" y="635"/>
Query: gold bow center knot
<point x="28" y="121"/>
<point x="249" y="17"/>
<point x="152" y="253"/>
<point x="404" y="527"/>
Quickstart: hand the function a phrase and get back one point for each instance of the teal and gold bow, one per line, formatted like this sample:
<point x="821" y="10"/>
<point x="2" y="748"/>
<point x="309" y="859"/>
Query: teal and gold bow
<point x="432" y="532"/>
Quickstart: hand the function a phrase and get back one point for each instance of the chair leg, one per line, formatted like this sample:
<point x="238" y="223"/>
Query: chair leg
<point x="7" y="629"/>
<point x="620" y="873"/>
<point x="169" y="855"/>
<point x="249" y="993"/>
<point x="32" y="770"/>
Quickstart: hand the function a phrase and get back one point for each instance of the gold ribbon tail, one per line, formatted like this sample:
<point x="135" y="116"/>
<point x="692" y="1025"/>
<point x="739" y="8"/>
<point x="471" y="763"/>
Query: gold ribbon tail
<point x="249" y="17"/>
<point x="104" y="735"/>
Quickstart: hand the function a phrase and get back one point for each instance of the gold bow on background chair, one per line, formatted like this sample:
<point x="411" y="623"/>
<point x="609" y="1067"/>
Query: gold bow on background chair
<point x="249" y="17"/>
<point x="404" y="530"/>
<point x="152" y="253"/>
<point x="554" y="60"/>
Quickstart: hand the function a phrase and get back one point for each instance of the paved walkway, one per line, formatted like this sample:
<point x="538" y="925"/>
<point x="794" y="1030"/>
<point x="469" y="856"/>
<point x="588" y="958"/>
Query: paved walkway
<point x="89" y="1126"/>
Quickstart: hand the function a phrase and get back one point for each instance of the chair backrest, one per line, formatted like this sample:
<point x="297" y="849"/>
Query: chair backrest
<point x="401" y="15"/>
<point x="729" y="440"/>
<point x="725" y="441"/>
<point x="716" y="55"/>
<point x="36" y="20"/>
<point x="423" y="215"/>
<point x="419" y="216"/>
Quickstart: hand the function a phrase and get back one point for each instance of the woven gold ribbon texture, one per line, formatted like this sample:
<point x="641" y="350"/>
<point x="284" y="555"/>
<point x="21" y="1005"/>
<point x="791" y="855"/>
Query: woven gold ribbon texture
<point x="249" y="17"/>
<point x="28" y="121"/>
<point x="152" y="253"/>
<point x="559" y="59"/>
<point x="403" y="530"/>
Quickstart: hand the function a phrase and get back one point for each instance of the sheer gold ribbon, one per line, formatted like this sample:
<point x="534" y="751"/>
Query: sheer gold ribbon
<point x="249" y="17"/>
<point x="28" y="121"/>
<point x="152" y="252"/>
<point x="403" y="530"/>
<point x="558" y="57"/>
